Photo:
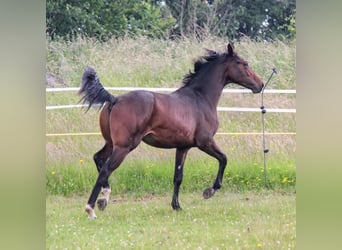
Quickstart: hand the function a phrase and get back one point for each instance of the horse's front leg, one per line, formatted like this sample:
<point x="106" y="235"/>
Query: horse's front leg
<point x="178" y="176"/>
<point x="212" y="149"/>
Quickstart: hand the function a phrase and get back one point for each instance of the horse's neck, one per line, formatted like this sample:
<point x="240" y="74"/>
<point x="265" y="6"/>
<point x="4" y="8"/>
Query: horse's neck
<point x="210" y="87"/>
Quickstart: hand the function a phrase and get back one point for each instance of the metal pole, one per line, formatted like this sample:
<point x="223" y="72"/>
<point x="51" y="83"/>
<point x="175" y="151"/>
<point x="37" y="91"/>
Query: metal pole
<point x="263" y="112"/>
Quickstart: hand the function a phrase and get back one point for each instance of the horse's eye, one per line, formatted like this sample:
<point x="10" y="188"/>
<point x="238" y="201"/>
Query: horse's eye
<point x="241" y="62"/>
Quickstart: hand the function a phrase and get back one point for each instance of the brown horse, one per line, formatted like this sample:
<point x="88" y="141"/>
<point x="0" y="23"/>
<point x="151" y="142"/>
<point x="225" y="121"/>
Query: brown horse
<point x="183" y="119"/>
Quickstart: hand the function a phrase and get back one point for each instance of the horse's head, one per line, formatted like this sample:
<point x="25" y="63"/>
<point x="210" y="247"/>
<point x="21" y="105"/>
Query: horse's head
<point x="238" y="71"/>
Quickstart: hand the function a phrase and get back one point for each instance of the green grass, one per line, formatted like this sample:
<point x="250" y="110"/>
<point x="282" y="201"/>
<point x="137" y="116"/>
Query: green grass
<point x="160" y="63"/>
<point x="146" y="177"/>
<point x="229" y="220"/>
<point x="147" y="170"/>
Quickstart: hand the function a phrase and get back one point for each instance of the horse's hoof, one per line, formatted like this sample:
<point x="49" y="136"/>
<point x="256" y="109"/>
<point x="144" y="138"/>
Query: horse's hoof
<point x="92" y="217"/>
<point x="177" y="208"/>
<point x="209" y="192"/>
<point x="101" y="204"/>
<point x="90" y="212"/>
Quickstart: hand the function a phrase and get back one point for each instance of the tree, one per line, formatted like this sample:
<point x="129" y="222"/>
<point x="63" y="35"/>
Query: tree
<point x="200" y="18"/>
<point x="265" y="19"/>
<point x="106" y="18"/>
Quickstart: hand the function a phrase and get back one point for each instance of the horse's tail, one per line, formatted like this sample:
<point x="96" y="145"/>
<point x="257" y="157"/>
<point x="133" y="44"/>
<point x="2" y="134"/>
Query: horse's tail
<point x="92" y="90"/>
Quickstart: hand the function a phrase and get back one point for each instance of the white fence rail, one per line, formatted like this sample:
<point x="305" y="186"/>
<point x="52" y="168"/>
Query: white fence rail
<point x="269" y="91"/>
<point x="224" y="109"/>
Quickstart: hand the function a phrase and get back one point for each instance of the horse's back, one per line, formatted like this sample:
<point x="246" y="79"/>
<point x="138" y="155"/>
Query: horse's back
<point x="135" y="102"/>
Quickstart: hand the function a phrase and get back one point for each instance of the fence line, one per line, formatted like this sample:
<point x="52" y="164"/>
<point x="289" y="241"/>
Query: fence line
<point x="229" y="109"/>
<point x="224" y="109"/>
<point x="236" y="109"/>
<point x="269" y="91"/>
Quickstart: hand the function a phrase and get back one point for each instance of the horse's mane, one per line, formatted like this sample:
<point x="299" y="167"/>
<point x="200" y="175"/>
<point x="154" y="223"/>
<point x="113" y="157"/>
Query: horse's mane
<point x="201" y="63"/>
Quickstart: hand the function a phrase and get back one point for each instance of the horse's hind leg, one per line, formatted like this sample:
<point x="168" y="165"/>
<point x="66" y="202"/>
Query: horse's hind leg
<point x="101" y="156"/>
<point x="111" y="164"/>
<point x="100" y="159"/>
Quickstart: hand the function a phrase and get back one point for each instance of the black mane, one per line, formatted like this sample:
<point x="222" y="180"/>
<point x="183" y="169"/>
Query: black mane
<point x="201" y="63"/>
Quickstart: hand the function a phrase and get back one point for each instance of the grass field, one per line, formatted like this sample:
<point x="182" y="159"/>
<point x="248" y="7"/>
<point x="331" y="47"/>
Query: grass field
<point x="141" y="216"/>
<point x="157" y="63"/>
<point x="246" y="220"/>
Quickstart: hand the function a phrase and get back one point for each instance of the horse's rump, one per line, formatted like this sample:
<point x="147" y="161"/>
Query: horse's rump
<point x="129" y="117"/>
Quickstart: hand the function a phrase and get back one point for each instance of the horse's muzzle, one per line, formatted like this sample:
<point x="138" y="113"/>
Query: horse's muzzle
<point x="258" y="90"/>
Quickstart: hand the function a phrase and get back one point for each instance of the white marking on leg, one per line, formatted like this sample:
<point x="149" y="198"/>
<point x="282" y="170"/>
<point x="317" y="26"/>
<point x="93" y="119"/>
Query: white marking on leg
<point x="106" y="193"/>
<point x="90" y="212"/>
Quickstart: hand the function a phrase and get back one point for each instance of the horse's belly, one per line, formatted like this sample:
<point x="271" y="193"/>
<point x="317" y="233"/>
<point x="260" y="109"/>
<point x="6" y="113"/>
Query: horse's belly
<point x="167" y="141"/>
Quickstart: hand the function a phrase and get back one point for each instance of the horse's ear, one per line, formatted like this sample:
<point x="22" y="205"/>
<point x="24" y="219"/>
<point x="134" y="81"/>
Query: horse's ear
<point x="231" y="49"/>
